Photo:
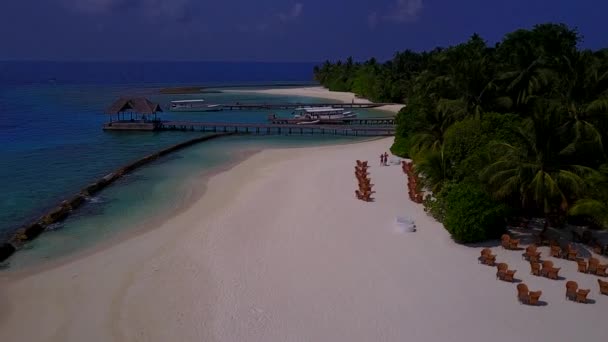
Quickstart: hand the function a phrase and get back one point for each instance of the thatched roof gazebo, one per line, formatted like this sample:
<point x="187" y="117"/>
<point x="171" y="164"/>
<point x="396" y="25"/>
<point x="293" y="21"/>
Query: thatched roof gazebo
<point x="137" y="105"/>
<point x="139" y="110"/>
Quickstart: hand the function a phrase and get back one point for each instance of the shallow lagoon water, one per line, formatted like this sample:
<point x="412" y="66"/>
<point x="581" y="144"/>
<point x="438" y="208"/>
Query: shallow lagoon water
<point x="53" y="146"/>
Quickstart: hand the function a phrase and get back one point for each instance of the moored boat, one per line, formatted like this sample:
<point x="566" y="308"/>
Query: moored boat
<point x="308" y="122"/>
<point x="198" y="105"/>
<point x="322" y="113"/>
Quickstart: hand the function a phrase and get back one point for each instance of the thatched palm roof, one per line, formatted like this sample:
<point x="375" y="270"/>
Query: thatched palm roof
<point x="138" y="105"/>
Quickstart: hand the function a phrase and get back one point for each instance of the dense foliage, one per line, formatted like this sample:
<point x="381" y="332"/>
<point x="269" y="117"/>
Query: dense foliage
<point x="523" y="122"/>
<point x="471" y="215"/>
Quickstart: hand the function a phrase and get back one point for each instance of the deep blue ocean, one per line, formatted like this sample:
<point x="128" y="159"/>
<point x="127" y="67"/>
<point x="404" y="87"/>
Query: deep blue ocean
<point x="52" y="145"/>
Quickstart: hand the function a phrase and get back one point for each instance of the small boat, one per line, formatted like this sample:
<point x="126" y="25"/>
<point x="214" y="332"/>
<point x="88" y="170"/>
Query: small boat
<point x="308" y="122"/>
<point x="199" y="105"/>
<point x="322" y="113"/>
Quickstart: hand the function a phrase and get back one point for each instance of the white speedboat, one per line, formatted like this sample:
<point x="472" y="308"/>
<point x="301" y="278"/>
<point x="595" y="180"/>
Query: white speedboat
<point x="323" y="113"/>
<point x="194" y="106"/>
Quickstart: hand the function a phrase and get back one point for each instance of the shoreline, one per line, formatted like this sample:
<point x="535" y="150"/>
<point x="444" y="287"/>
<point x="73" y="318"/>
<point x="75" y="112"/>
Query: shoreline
<point x="151" y="223"/>
<point x="157" y="221"/>
<point x="319" y="92"/>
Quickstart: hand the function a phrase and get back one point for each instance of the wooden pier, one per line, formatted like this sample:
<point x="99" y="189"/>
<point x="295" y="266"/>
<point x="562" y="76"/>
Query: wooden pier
<point x="380" y="121"/>
<point x="279" y="129"/>
<point x="278" y="106"/>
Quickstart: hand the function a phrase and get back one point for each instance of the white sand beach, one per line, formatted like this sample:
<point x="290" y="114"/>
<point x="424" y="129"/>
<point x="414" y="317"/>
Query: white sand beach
<point x="320" y="92"/>
<point x="279" y="249"/>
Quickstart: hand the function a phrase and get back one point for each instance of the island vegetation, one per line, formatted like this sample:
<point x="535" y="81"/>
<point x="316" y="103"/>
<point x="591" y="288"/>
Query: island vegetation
<point x="496" y="132"/>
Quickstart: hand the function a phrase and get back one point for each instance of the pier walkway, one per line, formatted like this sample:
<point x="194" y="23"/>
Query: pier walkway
<point x="277" y="106"/>
<point x="279" y="129"/>
<point x="382" y="121"/>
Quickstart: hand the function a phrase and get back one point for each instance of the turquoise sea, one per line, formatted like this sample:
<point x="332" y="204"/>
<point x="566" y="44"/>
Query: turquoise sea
<point x="52" y="145"/>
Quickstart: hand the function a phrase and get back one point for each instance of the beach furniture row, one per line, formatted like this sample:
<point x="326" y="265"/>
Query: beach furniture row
<point x="364" y="192"/>
<point x="545" y="268"/>
<point x="413" y="182"/>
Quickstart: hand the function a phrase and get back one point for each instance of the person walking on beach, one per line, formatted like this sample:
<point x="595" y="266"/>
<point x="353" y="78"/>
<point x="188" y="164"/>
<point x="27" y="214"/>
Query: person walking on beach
<point x="381" y="159"/>
<point x="385" y="159"/>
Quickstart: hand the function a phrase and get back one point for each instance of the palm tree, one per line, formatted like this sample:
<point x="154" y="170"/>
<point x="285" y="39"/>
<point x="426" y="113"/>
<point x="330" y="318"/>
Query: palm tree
<point x="434" y="169"/>
<point x="533" y="170"/>
<point x="436" y="123"/>
<point x="584" y="99"/>
<point x="524" y="83"/>
<point x="595" y="206"/>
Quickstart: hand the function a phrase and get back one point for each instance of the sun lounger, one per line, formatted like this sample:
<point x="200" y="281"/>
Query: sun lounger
<point x="601" y="270"/>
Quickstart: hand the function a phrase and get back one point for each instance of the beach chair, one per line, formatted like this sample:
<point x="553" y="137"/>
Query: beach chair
<point x="553" y="273"/>
<point x="582" y="265"/>
<point x="531" y="254"/>
<point x="581" y="296"/>
<point x="571" y="288"/>
<point x="603" y="286"/>
<point x="534" y="297"/>
<point x="504" y="241"/>
<point x="535" y="268"/>
<point x="523" y="294"/>
<point x="601" y="270"/>
<point x="365" y="182"/>
<point x="367" y="196"/>
<point x="487" y="258"/>
<point x="547" y="265"/>
<point x="535" y="257"/>
<point x="530" y="250"/>
<point x="502" y="269"/>
<point x="362" y="163"/>
<point x="556" y="251"/>
<point x="513" y="243"/>
<point x="593" y="263"/>
<point x="490" y="260"/>
<point x="366" y="187"/>
<point x="571" y="253"/>
<point x="509" y="276"/>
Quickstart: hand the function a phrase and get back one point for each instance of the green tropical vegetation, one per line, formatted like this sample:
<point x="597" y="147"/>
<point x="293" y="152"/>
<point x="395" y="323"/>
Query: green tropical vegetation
<point x="514" y="129"/>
